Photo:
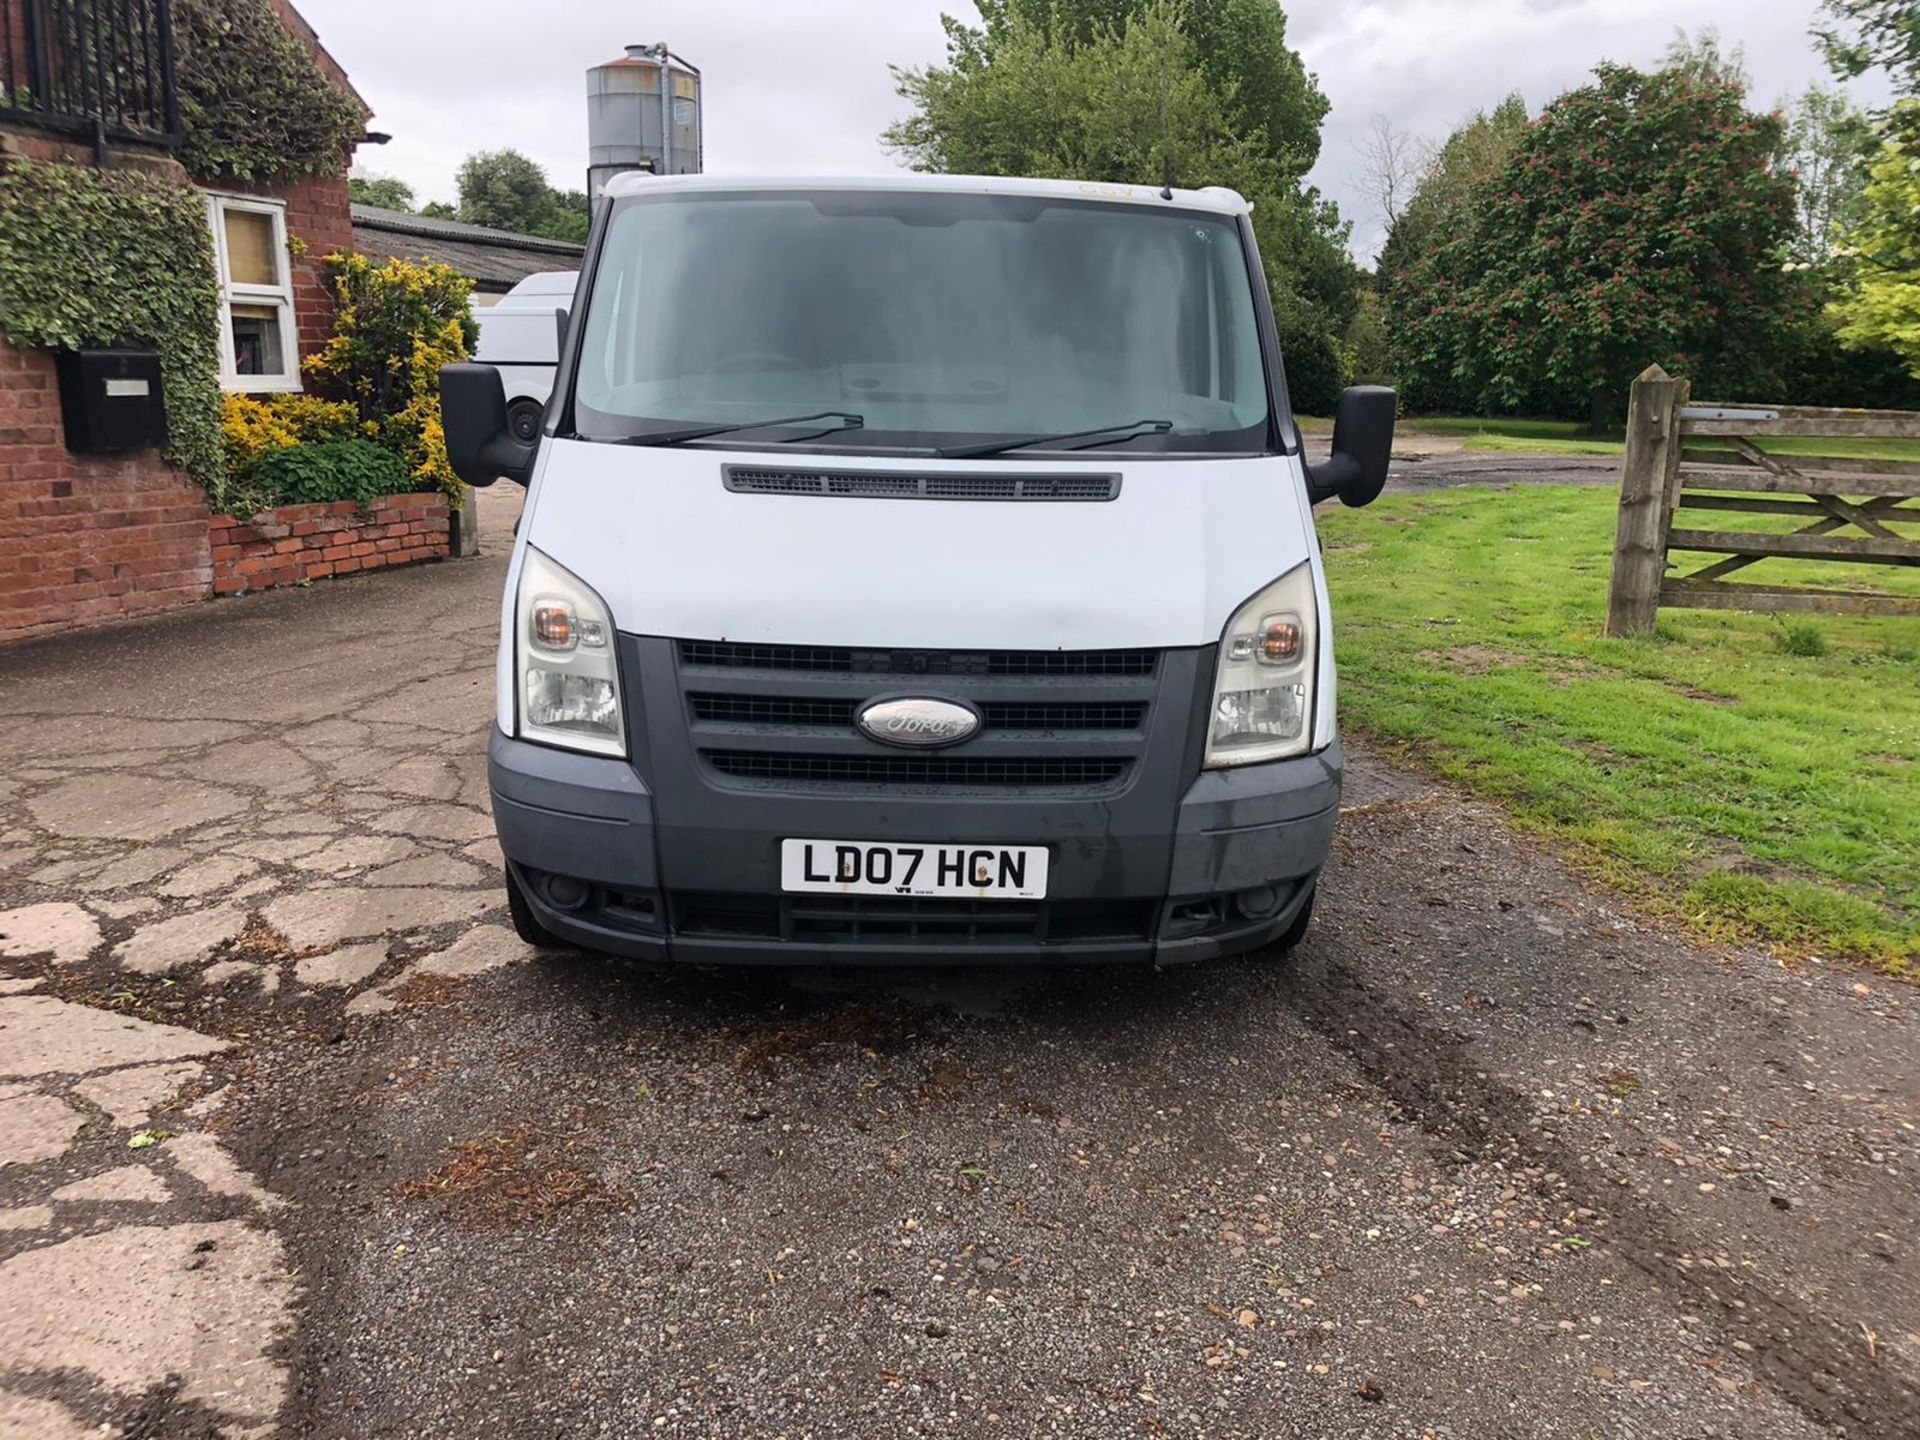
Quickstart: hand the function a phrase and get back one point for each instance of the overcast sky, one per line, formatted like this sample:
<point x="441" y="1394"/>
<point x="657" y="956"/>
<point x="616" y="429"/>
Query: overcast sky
<point x="801" y="86"/>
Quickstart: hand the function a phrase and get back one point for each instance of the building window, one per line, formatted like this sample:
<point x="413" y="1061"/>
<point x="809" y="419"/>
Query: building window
<point x="259" y="349"/>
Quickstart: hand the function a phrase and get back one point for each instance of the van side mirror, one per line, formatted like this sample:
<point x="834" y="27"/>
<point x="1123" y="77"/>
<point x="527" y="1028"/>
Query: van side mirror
<point x="473" y="410"/>
<point x="559" y="330"/>
<point x="1362" y="446"/>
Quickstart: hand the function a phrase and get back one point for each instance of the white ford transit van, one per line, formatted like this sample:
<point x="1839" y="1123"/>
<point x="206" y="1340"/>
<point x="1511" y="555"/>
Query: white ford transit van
<point x="917" y="569"/>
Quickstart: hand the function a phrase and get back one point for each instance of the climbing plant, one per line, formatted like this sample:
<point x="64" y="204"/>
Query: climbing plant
<point x="254" y="103"/>
<point x="118" y="257"/>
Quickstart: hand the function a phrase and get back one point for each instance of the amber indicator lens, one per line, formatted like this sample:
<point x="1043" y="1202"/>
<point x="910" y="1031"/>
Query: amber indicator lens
<point x="1280" y="642"/>
<point x="553" y="626"/>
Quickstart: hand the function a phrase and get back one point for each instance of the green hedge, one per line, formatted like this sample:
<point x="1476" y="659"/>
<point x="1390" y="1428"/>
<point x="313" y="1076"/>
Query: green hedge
<point x="332" y="470"/>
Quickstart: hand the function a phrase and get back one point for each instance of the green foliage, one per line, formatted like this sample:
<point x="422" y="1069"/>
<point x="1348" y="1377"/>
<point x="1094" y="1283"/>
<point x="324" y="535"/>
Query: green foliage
<point x="1240" y="46"/>
<point x="254" y="103"/>
<point x="1369" y="356"/>
<point x="1880" y="307"/>
<point x="330" y="470"/>
<point x="1121" y="92"/>
<point x="1316" y="364"/>
<point x="116" y="257"/>
<point x="384" y="191"/>
<point x="1801" y="638"/>
<point x="255" y="425"/>
<point x="1639" y="220"/>
<point x="1477" y="150"/>
<point x="504" y="190"/>
<point x="1870" y="34"/>
<point x="397" y="322"/>
<point x="1787" y="802"/>
<point x="1829" y="145"/>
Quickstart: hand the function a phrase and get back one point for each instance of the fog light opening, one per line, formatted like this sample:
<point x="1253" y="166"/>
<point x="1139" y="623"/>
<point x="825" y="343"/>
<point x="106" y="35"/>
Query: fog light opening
<point x="1262" y="902"/>
<point x="566" y="893"/>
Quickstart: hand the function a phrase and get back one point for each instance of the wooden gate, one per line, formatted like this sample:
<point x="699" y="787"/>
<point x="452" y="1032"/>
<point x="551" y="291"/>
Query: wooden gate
<point x="1855" y="509"/>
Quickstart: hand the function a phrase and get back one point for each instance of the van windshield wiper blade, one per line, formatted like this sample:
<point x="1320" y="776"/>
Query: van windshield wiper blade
<point x="848" y="421"/>
<point x="1127" y="430"/>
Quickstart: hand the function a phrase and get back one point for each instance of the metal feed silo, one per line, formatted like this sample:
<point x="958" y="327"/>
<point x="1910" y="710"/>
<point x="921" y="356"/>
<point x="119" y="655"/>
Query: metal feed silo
<point x="643" y="113"/>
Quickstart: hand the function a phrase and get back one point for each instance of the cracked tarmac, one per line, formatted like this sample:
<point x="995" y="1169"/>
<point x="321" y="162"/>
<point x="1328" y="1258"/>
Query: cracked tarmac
<point x="297" y="1139"/>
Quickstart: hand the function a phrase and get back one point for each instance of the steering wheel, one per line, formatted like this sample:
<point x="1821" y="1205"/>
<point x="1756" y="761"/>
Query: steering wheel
<point x="754" y="360"/>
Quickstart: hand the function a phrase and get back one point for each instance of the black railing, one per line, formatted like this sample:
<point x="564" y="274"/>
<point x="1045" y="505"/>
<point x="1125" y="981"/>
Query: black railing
<point x="101" y="68"/>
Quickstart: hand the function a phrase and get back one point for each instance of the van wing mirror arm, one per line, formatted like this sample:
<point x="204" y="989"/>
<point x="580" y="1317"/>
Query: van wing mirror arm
<point x="1330" y="476"/>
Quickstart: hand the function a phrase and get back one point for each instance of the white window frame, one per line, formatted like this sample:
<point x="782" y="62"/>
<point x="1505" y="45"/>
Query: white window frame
<point x="280" y="295"/>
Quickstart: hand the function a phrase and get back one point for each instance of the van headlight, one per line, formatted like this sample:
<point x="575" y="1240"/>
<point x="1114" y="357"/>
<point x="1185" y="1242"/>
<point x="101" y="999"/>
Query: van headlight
<point x="567" y="672"/>
<point x="1263" y="684"/>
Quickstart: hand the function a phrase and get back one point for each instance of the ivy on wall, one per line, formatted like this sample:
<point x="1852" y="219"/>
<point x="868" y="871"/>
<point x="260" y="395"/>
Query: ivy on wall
<point x="255" y="105"/>
<point x="92" y="258"/>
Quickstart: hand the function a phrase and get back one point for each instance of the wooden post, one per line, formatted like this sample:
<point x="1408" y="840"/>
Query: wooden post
<point x="1646" y="502"/>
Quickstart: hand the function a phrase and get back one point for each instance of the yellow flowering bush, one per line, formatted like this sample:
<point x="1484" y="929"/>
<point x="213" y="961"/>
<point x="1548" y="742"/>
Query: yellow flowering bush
<point x="398" y="322"/>
<point x="256" y="425"/>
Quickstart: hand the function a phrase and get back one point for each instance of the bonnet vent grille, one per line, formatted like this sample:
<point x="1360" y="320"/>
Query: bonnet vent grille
<point x="905" y="485"/>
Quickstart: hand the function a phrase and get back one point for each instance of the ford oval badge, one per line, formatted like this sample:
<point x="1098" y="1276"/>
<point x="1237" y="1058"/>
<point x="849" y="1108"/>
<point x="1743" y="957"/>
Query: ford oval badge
<point x="918" y="721"/>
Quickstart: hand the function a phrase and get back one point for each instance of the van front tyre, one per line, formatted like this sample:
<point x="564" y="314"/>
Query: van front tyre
<point x="525" y="924"/>
<point x="1291" y="937"/>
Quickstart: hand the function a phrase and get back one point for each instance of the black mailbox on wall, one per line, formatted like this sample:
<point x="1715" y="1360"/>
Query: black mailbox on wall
<point x="112" y="400"/>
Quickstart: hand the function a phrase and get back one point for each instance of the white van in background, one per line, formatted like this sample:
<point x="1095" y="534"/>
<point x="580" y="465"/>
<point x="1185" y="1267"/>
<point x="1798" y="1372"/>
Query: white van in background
<point x="520" y="338"/>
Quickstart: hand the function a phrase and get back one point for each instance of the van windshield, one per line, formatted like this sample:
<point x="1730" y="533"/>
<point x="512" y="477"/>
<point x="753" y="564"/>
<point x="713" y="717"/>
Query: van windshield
<point x="940" y="320"/>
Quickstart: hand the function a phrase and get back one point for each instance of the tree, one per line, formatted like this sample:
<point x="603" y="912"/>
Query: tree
<point x="504" y="190"/>
<point x="1117" y="93"/>
<point x="1640" y="219"/>
<point x="1873" y="34"/>
<point x="1392" y="160"/>
<point x="383" y="191"/>
<point x="1829" y="144"/>
<point x="1700" y="57"/>
<point x="1477" y="149"/>
<point x="1880" y="309"/>
<point x="1240" y="46"/>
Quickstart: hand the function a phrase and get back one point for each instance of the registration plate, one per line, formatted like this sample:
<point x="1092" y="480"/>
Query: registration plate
<point x="957" y="872"/>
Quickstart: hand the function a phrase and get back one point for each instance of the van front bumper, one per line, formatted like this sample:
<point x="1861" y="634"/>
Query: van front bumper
<point x="1247" y="847"/>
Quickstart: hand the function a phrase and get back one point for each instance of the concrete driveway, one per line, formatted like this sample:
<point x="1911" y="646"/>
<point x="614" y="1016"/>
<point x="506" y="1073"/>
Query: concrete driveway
<point x="298" y="1140"/>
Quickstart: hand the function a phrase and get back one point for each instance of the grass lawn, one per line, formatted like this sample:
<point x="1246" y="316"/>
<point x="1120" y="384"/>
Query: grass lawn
<point x="1711" y="773"/>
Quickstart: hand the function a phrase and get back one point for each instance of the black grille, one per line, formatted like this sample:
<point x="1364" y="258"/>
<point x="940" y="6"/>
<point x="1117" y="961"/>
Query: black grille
<point x="748" y="480"/>
<point x="830" y="769"/>
<point x="819" y="658"/>
<point x="798" y="710"/>
<point x="864" y="919"/>
<point x="1065" y="716"/>
<point x="771" y="710"/>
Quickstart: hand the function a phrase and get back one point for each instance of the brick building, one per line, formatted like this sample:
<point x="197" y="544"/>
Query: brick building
<point x="88" y="538"/>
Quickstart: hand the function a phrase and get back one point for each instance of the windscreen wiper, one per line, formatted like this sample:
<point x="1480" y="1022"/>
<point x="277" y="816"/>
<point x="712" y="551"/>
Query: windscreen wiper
<point x="848" y="421"/>
<point x="1131" y="430"/>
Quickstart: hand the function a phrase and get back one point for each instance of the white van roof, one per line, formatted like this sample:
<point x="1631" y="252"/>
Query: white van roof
<point x="543" y="287"/>
<point x="1215" y="198"/>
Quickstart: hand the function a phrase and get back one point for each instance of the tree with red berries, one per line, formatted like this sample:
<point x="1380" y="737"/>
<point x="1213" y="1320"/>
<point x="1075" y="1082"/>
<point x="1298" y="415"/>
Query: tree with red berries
<point x="1641" y="219"/>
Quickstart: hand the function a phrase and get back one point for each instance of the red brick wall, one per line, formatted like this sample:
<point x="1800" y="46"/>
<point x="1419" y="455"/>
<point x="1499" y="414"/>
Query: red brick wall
<point x="309" y="542"/>
<point x="86" y="538"/>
